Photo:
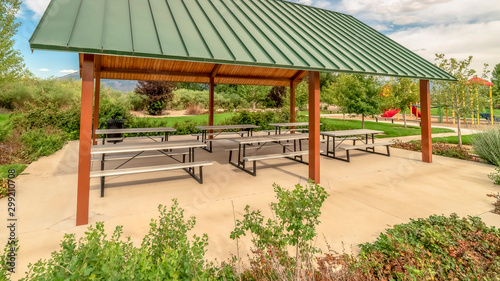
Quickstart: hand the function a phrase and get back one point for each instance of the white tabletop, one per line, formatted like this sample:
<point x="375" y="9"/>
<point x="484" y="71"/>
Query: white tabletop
<point x="135" y="130"/>
<point x="289" y="124"/>
<point x="226" y="127"/>
<point x="272" y="138"/>
<point x="357" y="132"/>
<point x="144" y="146"/>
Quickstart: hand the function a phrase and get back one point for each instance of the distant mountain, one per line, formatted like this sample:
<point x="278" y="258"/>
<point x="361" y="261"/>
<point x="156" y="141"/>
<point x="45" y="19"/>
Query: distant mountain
<point x="119" y="85"/>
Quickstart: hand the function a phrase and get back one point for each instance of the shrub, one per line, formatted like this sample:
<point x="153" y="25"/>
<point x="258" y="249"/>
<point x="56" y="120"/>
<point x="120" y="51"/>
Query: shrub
<point x="487" y="145"/>
<point x="40" y="142"/>
<point x="497" y="203"/>
<point x="261" y="119"/>
<point x="166" y="253"/>
<point x="294" y="225"/>
<point x="436" y="248"/>
<point x="495" y="176"/>
<point x="438" y="148"/>
<point x="194" y="109"/>
<point x="158" y="94"/>
<point x="66" y="119"/>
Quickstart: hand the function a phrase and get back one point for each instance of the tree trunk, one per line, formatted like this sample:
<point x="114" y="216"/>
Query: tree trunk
<point x="404" y="117"/>
<point x="253" y="106"/>
<point x="297" y="263"/>
<point x="362" y="121"/>
<point x="344" y="116"/>
<point x="459" y="134"/>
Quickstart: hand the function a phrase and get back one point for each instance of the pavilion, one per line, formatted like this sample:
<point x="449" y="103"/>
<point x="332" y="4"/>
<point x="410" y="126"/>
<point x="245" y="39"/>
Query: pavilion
<point x="256" y="42"/>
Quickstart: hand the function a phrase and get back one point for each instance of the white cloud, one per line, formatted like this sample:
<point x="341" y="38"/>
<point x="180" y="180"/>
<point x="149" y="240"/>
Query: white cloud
<point x="457" y="41"/>
<point x="305" y="2"/>
<point x="68" y="71"/>
<point x="44" y="69"/>
<point x="37" y="7"/>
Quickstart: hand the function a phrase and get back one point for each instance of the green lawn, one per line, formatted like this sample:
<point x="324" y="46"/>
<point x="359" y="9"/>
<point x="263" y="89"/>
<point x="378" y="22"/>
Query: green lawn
<point x="391" y="130"/>
<point x="3" y="118"/>
<point x="467" y="139"/>
<point x="4" y="169"/>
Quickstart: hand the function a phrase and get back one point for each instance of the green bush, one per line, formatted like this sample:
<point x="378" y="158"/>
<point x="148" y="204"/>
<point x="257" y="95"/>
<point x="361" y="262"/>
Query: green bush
<point x="40" y="142"/>
<point x="436" y="248"/>
<point x="495" y="176"/>
<point x="5" y="130"/>
<point x="487" y="145"/>
<point x="166" y="253"/>
<point x="294" y="221"/>
<point x="261" y="119"/>
<point x="66" y="119"/>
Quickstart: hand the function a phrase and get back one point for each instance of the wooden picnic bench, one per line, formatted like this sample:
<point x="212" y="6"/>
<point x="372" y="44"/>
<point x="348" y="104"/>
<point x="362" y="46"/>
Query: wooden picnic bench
<point x="385" y="118"/>
<point x="353" y="135"/>
<point x="164" y="148"/>
<point x="105" y="132"/>
<point x="283" y="140"/>
<point x="216" y="130"/>
<point x="366" y="147"/>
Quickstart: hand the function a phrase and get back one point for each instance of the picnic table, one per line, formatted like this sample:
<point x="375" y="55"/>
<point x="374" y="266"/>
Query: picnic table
<point x="106" y="132"/>
<point x="354" y="135"/>
<point x="137" y="149"/>
<point x="259" y="142"/>
<point x="215" y="131"/>
<point x="290" y="127"/>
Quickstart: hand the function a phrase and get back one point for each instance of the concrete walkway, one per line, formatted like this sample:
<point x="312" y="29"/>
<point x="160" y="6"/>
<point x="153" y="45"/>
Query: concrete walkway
<point x="368" y="195"/>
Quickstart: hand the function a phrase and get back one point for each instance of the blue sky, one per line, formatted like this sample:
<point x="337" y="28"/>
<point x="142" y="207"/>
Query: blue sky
<point x="457" y="28"/>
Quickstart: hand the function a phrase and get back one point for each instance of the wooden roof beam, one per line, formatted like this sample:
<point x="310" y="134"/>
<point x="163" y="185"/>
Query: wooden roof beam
<point x="215" y="70"/>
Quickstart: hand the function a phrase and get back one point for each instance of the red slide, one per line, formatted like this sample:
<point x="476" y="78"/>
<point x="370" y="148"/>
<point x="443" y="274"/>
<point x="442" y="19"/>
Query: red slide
<point x="390" y="113"/>
<point x="415" y="111"/>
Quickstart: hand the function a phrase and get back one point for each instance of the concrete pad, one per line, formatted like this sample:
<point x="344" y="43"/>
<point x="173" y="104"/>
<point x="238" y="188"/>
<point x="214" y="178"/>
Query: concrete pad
<point x="368" y="195"/>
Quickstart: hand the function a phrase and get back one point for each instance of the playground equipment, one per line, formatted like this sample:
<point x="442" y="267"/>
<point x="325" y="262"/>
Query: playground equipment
<point x="392" y="112"/>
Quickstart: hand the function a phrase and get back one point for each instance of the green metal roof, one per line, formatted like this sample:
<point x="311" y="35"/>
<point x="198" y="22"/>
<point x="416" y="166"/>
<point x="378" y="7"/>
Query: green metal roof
<point x="269" y="33"/>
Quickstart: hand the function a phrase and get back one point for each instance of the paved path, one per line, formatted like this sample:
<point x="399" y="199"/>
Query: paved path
<point x="368" y="195"/>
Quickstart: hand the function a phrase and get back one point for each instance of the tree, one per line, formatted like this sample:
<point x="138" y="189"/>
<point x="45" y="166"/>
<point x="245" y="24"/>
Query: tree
<point x="11" y="61"/>
<point x="277" y="96"/>
<point x="253" y="94"/>
<point x="460" y="94"/>
<point x="495" y="79"/>
<point x="158" y="93"/>
<point x="404" y="93"/>
<point x="357" y="94"/>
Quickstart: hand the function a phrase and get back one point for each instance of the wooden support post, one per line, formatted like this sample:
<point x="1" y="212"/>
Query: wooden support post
<point x="211" y="102"/>
<point x="292" y="101"/>
<point x="82" y="201"/>
<point x="425" y="106"/>
<point x="314" y="137"/>
<point x="97" y="92"/>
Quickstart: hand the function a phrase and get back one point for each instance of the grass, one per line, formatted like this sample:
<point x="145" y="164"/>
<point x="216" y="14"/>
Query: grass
<point x="4" y="169"/>
<point x="391" y="130"/>
<point x="466" y="139"/>
<point x="3" y="118"/>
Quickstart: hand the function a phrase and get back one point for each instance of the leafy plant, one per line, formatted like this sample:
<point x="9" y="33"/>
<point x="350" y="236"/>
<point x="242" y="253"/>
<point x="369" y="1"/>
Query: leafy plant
<point x="356" y="94"/>
<point x="158" y="93"/>
<point x="436" y="248"/>
<point x="294" y="224"/>
<point x="495" y="176"/>
<point x="166" y="253"/>
<point x="438" y="148"/>
<point x="41" y="142"/>
<point x="497" y="203"/>
<point x="487" y="145"/>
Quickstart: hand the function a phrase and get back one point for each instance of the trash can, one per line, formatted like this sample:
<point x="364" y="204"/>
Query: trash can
<point x="115" y="124"/>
